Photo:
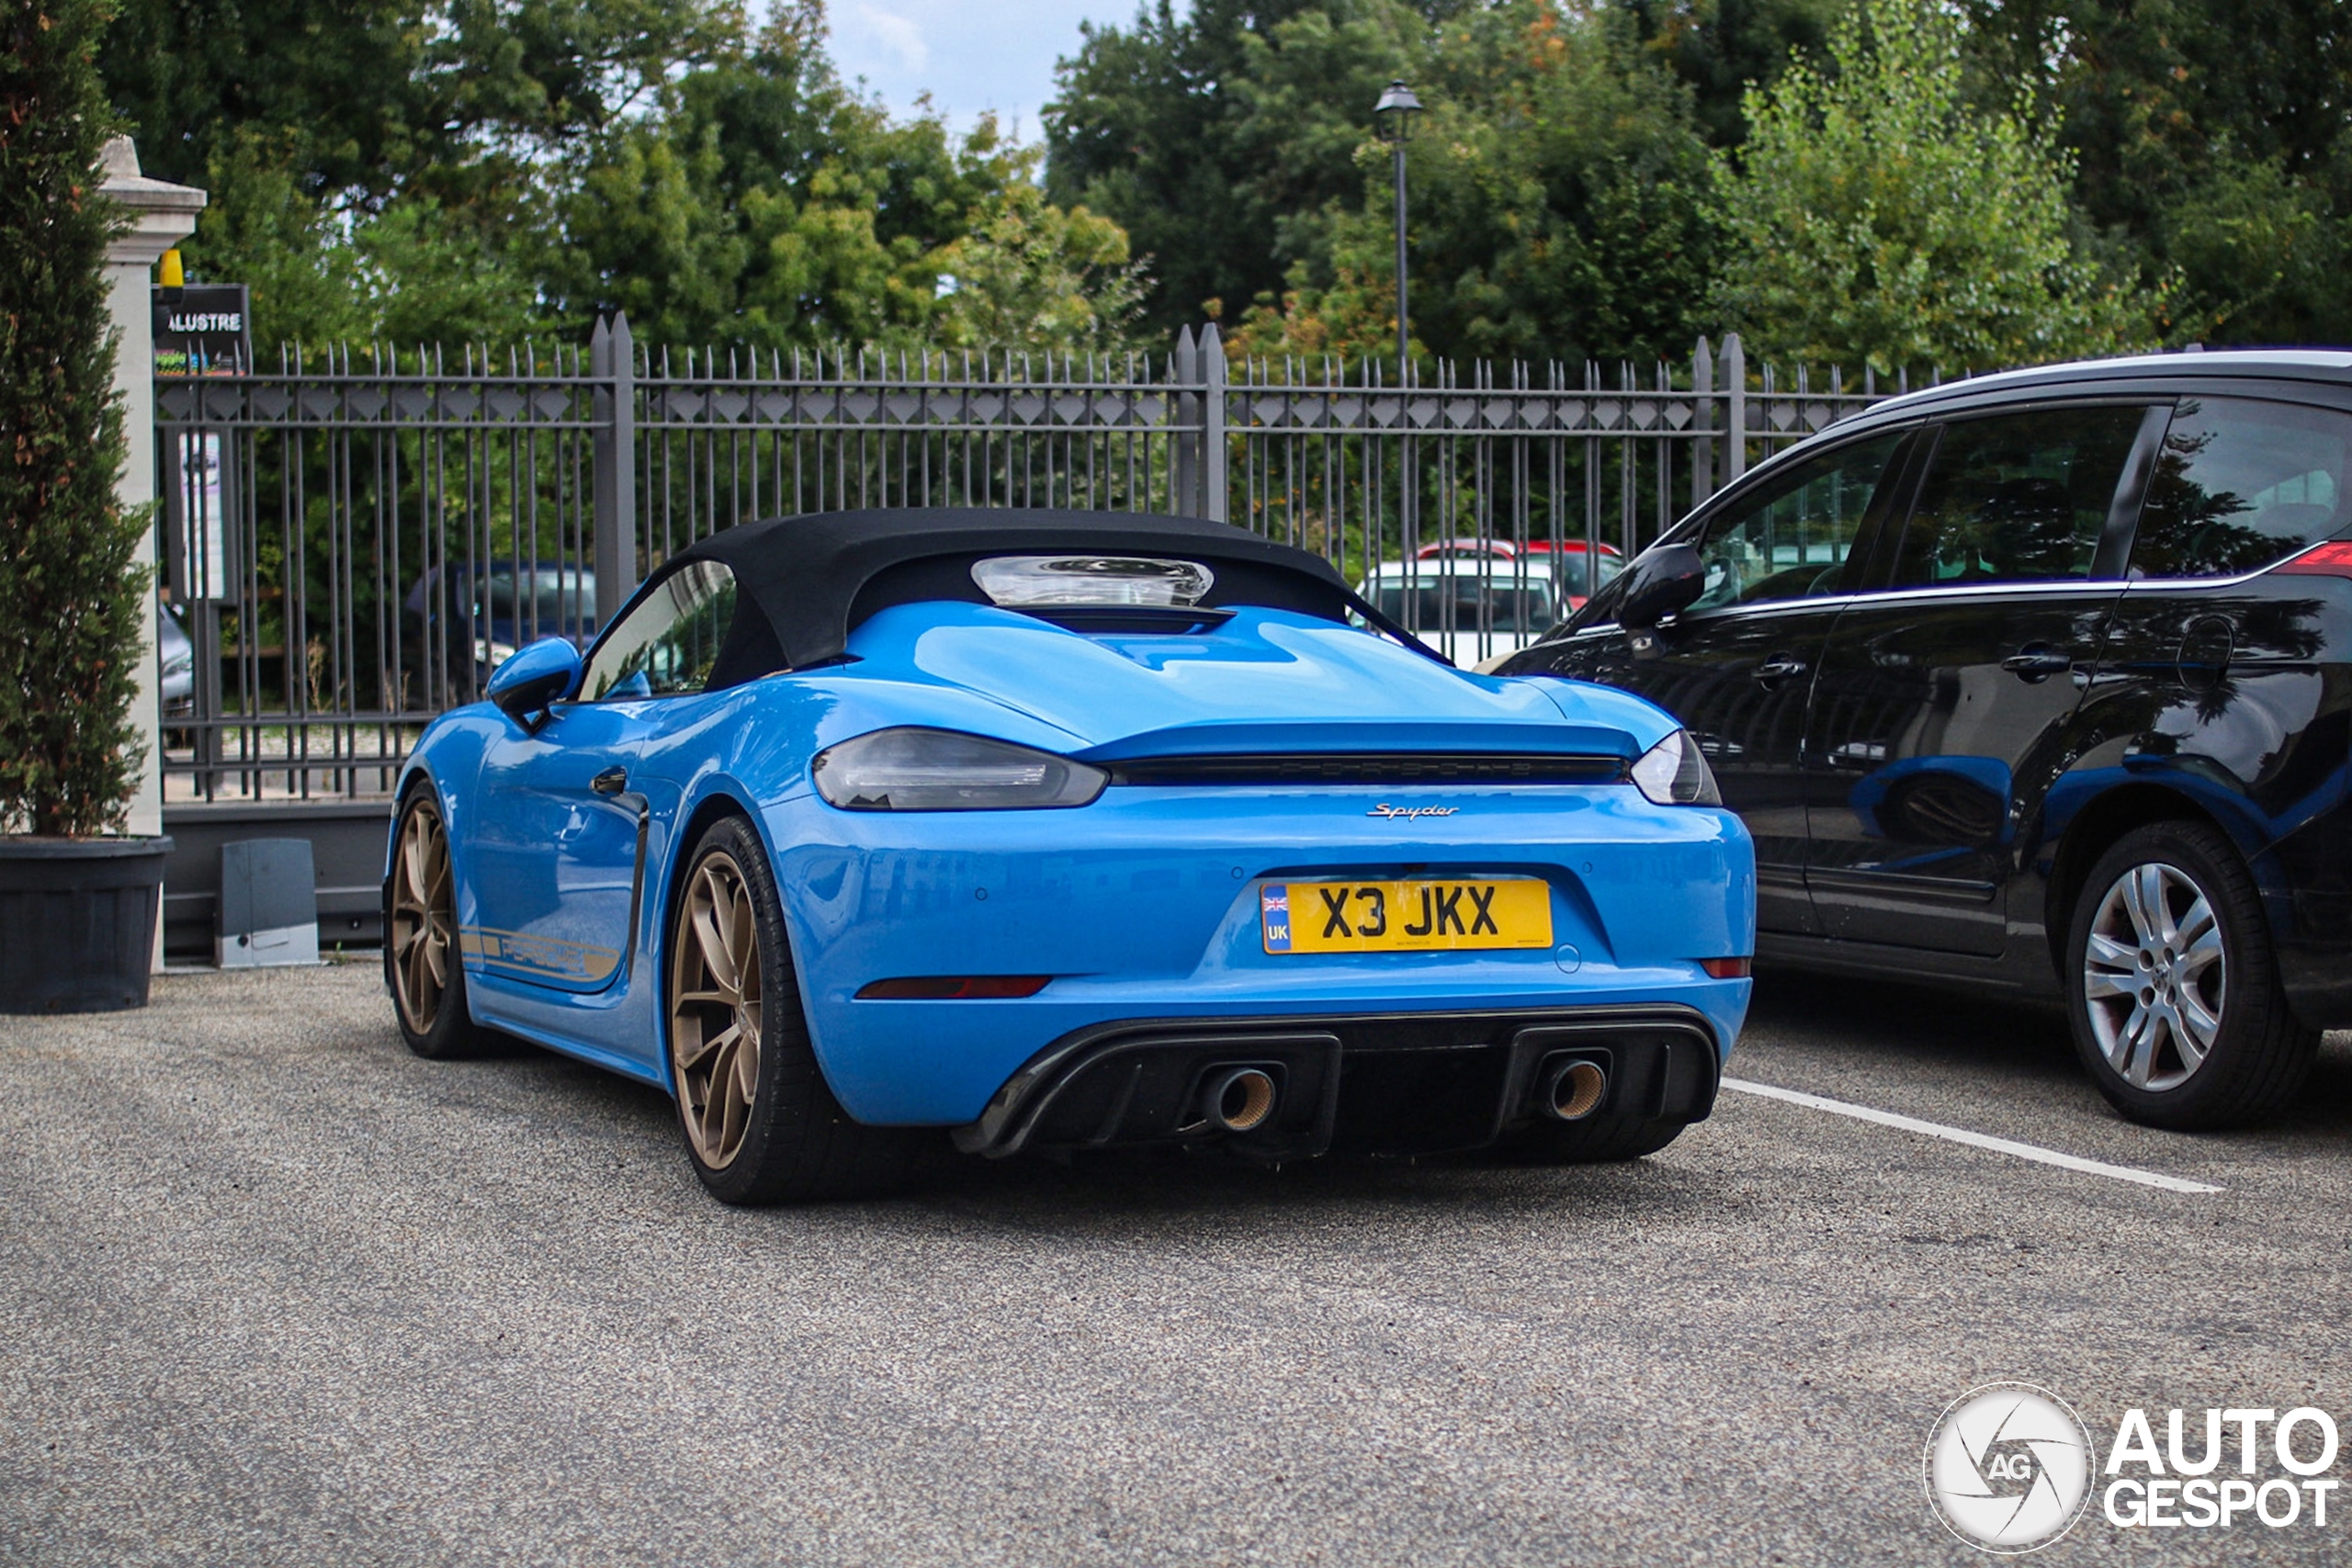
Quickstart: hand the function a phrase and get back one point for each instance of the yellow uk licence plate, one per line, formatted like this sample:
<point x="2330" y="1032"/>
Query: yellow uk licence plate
<point x="1400" y="917"/>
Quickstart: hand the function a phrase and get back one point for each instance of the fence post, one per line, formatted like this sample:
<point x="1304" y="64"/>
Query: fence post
<point x="1703" y="417"/>
<point x="1185" y="479"/>
<point x="1735" y="380"/>
<point x="1209" y="355"/>
<point x="161" y="215"/>
<point x="612" y="359"/>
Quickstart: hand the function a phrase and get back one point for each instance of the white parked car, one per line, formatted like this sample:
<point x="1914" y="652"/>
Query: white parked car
<point x="1473" y="607"/>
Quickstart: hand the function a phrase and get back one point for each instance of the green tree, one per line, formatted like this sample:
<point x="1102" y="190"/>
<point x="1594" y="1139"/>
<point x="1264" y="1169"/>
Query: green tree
<point x="769" y="204"/>
<point x="1559" y="182"/>
<point x="1032" y="273"/>
<point x="1558" y="204"/>
<point x="1876" y="216"/>
<point x="365" y="98"/>
<point x="415" y="270"/>
<point x="71" y="592"/>
<point x="2213" y="145"/>
<point x="1222" y="141"/>
<point x="1719" y="48"/>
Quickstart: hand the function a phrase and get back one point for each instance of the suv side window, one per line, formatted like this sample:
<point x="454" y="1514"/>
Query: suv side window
<point x="667" y="644"/>
<point x="1791" y="540"/>
<point x="2240" y="484"/>
<point x="2018" y="498"/>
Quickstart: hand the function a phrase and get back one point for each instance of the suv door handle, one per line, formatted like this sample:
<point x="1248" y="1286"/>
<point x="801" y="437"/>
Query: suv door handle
<point x="1779" y="667"/>
<point x="2036" y="662"/>
<point x="612" y="781"/>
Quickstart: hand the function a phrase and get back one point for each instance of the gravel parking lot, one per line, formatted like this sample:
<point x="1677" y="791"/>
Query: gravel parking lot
<point x="273" y="1290"/>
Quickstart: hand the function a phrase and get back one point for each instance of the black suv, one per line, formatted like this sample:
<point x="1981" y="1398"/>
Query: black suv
<point x="2040" y="681"/>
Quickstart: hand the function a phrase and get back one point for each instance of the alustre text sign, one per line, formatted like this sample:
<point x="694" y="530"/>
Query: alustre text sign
<point x="207" y="329"/>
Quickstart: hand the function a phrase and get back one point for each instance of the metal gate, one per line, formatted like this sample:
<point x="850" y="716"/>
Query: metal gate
<point x="352" y="545"/>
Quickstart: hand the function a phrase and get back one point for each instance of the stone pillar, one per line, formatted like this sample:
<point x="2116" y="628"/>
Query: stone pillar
<point x="162" y="215"/>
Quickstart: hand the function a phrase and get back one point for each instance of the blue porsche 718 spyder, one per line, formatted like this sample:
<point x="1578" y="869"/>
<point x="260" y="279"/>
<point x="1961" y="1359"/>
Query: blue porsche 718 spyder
<point x="866" y="833"/>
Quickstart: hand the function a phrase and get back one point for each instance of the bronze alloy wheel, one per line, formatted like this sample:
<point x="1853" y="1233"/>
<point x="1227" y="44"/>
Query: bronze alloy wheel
<point x="424" y="918"/>
<point x="715" y="996"/>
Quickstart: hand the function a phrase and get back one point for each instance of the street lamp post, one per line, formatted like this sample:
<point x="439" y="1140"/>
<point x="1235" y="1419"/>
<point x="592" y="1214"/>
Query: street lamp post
<point x="1394" y="114"/>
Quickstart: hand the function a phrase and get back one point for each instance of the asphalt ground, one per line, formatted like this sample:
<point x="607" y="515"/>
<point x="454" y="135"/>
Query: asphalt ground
<point x="271" y="1290"/>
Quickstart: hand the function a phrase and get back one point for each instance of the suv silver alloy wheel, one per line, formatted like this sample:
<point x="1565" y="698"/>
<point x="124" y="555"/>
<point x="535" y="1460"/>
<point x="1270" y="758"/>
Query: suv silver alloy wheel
<point x="2155" y="979"/>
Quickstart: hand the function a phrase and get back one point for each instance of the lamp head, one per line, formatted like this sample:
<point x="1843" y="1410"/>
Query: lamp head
<point x="1395" y="111"/>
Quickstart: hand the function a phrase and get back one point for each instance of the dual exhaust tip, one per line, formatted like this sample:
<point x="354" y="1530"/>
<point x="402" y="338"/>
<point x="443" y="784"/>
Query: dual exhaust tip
<point x="1571" y="1090"/>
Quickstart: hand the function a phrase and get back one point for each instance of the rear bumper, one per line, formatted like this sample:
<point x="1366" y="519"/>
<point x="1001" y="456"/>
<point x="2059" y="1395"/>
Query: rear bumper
<point x="1147" y="905"/>
<point x="2307" y="879"/>
<point x="1368" y="1083"/>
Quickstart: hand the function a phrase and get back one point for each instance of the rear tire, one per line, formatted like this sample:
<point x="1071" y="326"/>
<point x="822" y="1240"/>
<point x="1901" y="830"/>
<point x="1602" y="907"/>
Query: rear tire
<point x="760" y="1123"/>
<point x="1595" y="1139"/>
<point x="2172" y="990"/>
<point x="422" y="966"/>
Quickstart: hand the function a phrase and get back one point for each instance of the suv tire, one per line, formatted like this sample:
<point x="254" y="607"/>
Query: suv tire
<point x="2172" y="990"/>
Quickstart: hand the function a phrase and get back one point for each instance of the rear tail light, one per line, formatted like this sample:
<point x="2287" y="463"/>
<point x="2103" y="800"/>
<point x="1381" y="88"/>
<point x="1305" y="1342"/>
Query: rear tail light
<point x="953" y="987"/>
<point x="1728" y="968"/>
<point x="2330" y="559"/>
<point x="1672" y="772"/>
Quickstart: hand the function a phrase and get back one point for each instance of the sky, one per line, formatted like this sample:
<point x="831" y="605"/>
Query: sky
<point x="969" y="55"/>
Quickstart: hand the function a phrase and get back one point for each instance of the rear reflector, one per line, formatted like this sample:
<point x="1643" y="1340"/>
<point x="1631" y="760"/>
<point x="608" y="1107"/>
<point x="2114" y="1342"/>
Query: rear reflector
<point x="2332" y="559"/>
<point x="1727" y="968"/>
<point x="953" y="987"/>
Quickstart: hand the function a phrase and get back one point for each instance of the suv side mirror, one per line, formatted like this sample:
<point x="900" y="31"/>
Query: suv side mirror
<point x="533" y="677"/>
<point x="1663" y="580"/>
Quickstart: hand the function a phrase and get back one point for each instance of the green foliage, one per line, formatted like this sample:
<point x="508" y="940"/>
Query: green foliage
<point x="369" y="97"/>
<point x="769" y="205"/>
<point x="1558" y="194"/>
<point x="1224" y="142"/>
<point x="1558" y="179"/>
<point x="1876" y="216"/>
<point x="454" y="169"/>
<point x="2214" y="147"/>
<point x="413" y="271"/>
<point x="2261" y="256"/>
<point x="517" y="166"/>
<point x="1719" y="48"/>
<point x="72" y="592"/>
<point x="1029" y="272"/>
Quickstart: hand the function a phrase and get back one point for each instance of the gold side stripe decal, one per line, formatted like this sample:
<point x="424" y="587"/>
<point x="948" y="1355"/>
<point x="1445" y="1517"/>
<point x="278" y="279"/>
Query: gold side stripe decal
<point x="537" y="955"/>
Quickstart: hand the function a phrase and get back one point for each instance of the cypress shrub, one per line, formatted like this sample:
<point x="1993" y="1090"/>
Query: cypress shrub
<point x="72" y="589"/>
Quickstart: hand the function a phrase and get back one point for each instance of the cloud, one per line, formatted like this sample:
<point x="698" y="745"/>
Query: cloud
<point x="895" y="36"/>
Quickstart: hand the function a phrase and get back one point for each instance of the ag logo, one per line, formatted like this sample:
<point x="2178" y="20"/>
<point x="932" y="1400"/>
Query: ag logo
<point x="2008" y="1467"/>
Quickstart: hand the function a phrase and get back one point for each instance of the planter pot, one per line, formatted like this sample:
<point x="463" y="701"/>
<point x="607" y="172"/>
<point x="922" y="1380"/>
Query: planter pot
<point x="78" y="922"/>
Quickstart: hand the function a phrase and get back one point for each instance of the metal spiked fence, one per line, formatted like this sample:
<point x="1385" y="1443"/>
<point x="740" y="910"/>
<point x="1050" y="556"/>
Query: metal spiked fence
<point x="352" y="541"/>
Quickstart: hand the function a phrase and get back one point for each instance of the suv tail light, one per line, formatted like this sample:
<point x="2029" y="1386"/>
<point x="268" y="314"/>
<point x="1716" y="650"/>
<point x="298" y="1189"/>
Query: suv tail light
<point x="2330" y="559"/>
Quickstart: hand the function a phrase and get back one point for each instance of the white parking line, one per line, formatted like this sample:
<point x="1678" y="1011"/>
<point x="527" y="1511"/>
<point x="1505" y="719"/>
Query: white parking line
<point x="1974" y="1140"/>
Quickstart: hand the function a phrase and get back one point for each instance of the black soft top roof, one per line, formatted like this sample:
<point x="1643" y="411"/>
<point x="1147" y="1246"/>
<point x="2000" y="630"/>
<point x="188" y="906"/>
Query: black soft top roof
<point x="817" y="577"/>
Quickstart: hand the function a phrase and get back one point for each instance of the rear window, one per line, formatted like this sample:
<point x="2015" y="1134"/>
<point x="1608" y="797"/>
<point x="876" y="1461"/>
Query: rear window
<point x="2240" y="484"/>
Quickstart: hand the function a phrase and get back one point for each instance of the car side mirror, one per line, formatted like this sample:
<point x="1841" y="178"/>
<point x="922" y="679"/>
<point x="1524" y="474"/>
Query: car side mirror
<point x="1664" y="580"/>
<point x="533" y="678"/>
